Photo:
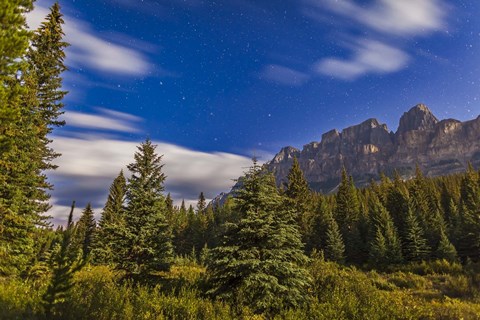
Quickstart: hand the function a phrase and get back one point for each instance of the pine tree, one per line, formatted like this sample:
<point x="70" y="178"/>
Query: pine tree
<point x="85" y="232"/>
<point x="14" y="41"/>
<point x="115" y="204"/>
<point x="378" y="249"/>
<point x="259" y="263"/>
<point x="385" y="245"/>
<point x="66" y="263"/>
<point x="111" y="222"/>
<point x="201" y="204"/>
<point x="397" y="203"/>
<point x="299" y="196"/>
<point x="320" y="224"/>
<point x="21" y="200"/>
<point x="445" y="249"/>
<point x="334" y="247"/>
<point x="347" y="214"/>
<point x="169" y="209"/>
<point x="46" y="59"/>
<point x="414" y="243"/>
<point x="146" y="239"/>
<point x="468" y="244"/>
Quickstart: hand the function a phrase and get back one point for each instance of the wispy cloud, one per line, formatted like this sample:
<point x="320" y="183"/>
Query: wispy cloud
<point x="390" y="20"/>
<point x="89" y="50"/>
<point x="400" y="17"/>
<point x="88" y="166"/>
<point x="106" y="120"/>
<point x="283" y="75"/>
<point x="369" y="57"/>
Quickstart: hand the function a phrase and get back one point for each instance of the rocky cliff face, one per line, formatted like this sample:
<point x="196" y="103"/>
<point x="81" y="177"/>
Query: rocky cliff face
<point x="368" y="149"/>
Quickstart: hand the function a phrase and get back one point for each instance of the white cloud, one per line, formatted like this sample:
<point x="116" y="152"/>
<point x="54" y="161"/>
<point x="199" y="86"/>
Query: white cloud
<point x="283" y="75"/>
<point x="91" y="51"/>
<point x="369" y="57"/>
<point x="400" y="17"/>
<point x="109" y="120"/>
<point x="88" y="166"/>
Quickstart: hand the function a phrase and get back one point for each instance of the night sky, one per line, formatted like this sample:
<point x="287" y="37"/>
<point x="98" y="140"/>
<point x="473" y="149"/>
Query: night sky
<point x="215" y="82"/>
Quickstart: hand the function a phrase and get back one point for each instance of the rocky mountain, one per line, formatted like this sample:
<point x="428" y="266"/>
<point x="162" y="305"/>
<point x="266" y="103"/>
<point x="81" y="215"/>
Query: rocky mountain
<point x="369" y="148"/>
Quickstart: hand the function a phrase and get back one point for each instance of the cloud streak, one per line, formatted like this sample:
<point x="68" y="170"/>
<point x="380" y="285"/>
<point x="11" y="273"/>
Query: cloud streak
<point x="88" y="166"/>
<point x="283" y="75"/>
<point x="369" y="57"/>
<point x="94" y="52"/>
<point x="404" y="17"/>
<point x="390" y="19"/>
<point x="108" y="120"/>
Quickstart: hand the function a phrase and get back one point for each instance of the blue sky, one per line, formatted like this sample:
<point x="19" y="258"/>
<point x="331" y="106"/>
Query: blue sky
<point x="215" y="82"/>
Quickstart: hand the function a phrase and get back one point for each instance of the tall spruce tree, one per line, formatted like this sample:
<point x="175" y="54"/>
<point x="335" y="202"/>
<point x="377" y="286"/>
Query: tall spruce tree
<point x="111" y="222"/>
<point x="14" y="41"/>
<point x="260" y="262"/>
<point x="385" y="245"/>
<point x="414" y="243"/>
<point x="85" y="232"/>
<point x="347" y="213"/>
<point x="445" y="249"/>
<point x="299" y="196"/>
<point x="66" y="262"/>
<point x="468" y="244"/>
<point x="146" y="243"/>
<point x="21" y="195"/>
<point x="201" y="204"/>
<point x="334" y="247"/>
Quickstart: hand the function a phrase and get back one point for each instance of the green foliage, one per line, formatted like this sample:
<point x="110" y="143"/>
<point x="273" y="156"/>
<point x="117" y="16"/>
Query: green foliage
<point x="259" y="264"/>
<point x="201" y="204"/>
<point x="414" y="243"/>
<point x="85" y="232"/>
<point x="468" y="243"/>
<point x="65" y="263"/>
<point x="385" y="246"/>
<point x="111" y="223"/>
<point x="145" y="243"/>
<point x="445" y="249"/>
<point x="347" y="214"/>
<point x="334" y="247"/>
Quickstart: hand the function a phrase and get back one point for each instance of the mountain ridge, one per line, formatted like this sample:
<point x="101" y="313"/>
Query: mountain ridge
<point x="367" y="149"/>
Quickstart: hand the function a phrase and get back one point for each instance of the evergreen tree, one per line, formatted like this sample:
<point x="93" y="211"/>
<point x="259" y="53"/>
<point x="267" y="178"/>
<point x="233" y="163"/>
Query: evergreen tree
<point x="334" y="247"/>
<point x="85" y="232"/>
<point x="426" y="205"/>
<point x="468" y="244"/>
<point x="259" y="263"/>
<point x="201" y="204"/>
<point x="22" y="185"/>
<point x="169" y="208"/>
<point x="65" y="263"/>
<point x="299" y="196"/>
<point x="378" y="249"/>
<point x="414" y="242"/>
<point x="445" y="249"/>
<point x="347" y="214"/>
<point x="385" y="245"/>
<point x="14" y="41"/>
<point x="397" y="203"/>
<point x="46" y="59"/>
<point x="111" y="222"/>
<point x="146" y="239"/>
<point x="320" y="224"/>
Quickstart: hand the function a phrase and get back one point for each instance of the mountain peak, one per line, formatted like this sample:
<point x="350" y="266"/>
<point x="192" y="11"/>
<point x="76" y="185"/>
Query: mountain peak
<point x="285" y="154"/>
<point x="417" y="118"/>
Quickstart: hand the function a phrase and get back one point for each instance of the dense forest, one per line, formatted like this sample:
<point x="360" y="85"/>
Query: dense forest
<point x="397" y="249"/>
